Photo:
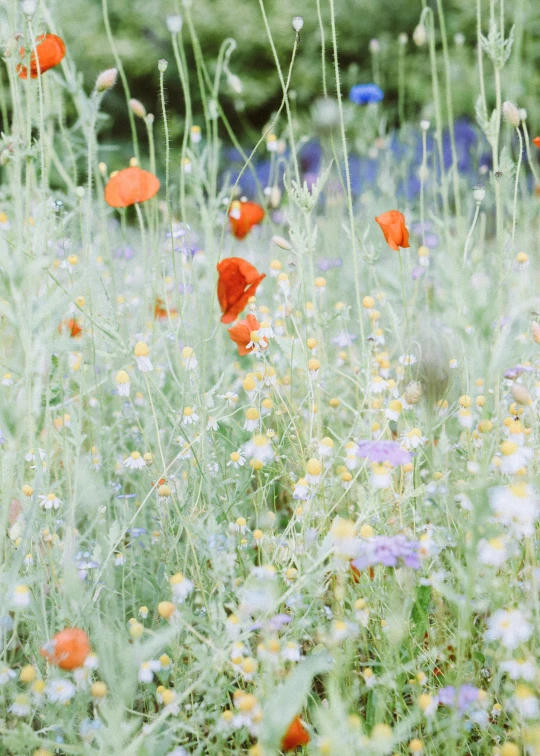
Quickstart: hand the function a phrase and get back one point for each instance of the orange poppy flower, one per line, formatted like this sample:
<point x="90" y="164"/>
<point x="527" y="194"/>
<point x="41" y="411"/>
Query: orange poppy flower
<point x="71" y="325"/>
<point x="296" y="736"/>
<point x="68" y="649"/>
<point x="244" y="335"/>
<point x="243" y="216"/>
<point x="49" y="51"/>
<point x="536" y="141"/>
<point x="235" y="274"/>
<point x="395" y="231"/>
<point x="130" y="186"/>
<point x="160" y="310"/>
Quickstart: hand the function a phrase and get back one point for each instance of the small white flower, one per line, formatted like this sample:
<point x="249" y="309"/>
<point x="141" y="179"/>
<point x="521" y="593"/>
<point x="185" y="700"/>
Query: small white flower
<point x="190" y="416"/>
<point x="519" y="669"/>
<point x="21" y="706"/>
<point x="20" y="598"/>
<point x="492" y="552"/>
<point x="181" y="587"/>
<point x="510" y="627"/>
<point x="134" y="461"/>
<point x="236" y="460"/>
<point x="147" y="669"/>
<point x="60" y="690"/>
<point x="50" y="501"/>
<point x="6" y="674"/>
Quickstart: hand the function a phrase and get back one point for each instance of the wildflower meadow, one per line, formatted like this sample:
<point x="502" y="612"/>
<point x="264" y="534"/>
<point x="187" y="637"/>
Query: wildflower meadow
<point x="269" y="401"/>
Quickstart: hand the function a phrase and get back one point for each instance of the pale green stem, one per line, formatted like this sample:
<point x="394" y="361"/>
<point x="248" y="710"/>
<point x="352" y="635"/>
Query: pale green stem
<point x="516" y="184"/>
<point x="471" y="230"/>
<point x="352" y="230"/>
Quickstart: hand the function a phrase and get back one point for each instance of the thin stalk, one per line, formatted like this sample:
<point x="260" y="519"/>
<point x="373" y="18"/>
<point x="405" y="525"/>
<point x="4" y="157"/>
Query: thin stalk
<point x="284" y="89"/>
<point x="516" y="184"/>
<point x="119" y="66"/>
<point x="347" y="175"/>
<point x="471" y="230"/>
<point x="450" y="109"/>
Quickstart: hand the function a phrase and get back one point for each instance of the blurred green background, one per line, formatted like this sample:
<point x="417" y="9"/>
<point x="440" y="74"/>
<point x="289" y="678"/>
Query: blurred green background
<point x="141" y="34"/>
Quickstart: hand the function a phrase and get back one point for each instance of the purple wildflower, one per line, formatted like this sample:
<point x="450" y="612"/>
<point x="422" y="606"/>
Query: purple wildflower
<point x="516" y="371"/>
<point x="388" y="550"/>
<point x="383" y="451"/>
<point x="327" y="263"/>
<point x="417" y="272"/>
<point x="460" y="699"/>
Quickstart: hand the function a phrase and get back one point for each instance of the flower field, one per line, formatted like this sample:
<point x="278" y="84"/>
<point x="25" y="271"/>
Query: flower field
<point x="269" y="410"/>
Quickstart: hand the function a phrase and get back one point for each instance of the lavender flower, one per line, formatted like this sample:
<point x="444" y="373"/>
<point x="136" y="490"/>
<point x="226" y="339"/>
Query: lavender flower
<point x="517" y="370"/>
<point x="460" y="699"/>
<point x="388" y="550"/>
<point x="383" y="451"/>
<point x="327" y="263"/>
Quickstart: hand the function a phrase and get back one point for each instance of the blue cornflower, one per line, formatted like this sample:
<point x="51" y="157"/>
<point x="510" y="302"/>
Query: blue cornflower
<point x="364" y="94"/>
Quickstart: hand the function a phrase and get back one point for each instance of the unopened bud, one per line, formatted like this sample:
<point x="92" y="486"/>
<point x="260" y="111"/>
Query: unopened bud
<point x="282" y="243"/>
<point x="298" y="23"/>
<point x="106" y="79"/>
<point x="521" y="394"/>
<point x="162" y="65"/>
<point x="403" y="39"/>
<point x="511" y="113"/>
<point x="420" y="35"/>
<point x="174" y="24"/>
<point x="425" y="124"/>
<point x="479" y="193"/>
<point x="28" y="7"/>
<point x="535" y="331"/>
<point x="413" y="393"/>
<point x="137" y="108"/>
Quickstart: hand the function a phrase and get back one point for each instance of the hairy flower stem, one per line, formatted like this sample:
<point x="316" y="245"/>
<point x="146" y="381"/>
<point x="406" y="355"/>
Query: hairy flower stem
<point x="347" y="177"/>
<point x="284" y="90"/>
<point x="516" y="184"/>
<point x="471" y="230"/>
<point x="450" y="109"/>
<point x="123" y="77"/>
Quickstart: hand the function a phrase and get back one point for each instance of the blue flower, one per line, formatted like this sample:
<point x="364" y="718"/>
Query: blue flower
<point x="364" y="94"/>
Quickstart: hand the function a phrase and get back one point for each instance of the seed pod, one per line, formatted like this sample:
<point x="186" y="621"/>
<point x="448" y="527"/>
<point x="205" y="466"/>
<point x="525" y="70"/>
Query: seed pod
<point x="413" y="392"/>
<point x="521" y="394"/>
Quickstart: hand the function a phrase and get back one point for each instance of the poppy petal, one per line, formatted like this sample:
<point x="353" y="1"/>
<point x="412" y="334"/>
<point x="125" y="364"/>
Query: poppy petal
<point x="131" y="186"/>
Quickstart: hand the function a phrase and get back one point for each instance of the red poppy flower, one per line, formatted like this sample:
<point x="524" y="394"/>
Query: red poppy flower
<point x="130" y="186"/>
<point x="68" y="649"/>
<point x="50" y="50"/>
<point x="72" y="326"/>
<point x="296" y="736"/>
<point x="243" y="216"/>
<point x="238" y="281"/>
<point x="395" y="231"/>
<point x="243" y="333"/>
<point x="536" y="141"/>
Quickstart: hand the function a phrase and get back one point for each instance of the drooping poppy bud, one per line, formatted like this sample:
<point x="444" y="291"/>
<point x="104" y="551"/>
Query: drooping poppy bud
<point x="68" y="649"/>
<point x="49" y="52"/>
<point x="131" y="186"/>
<point x="395" y="231"/>
<point x="237" y="282"/>
<point x="71" y="326"/>
<point x="296" y="736"/>
<point x="536" y="141"/>
<point x="243" y="216"/>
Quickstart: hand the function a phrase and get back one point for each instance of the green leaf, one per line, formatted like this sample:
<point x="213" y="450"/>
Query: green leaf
<point x="285" y="701"/>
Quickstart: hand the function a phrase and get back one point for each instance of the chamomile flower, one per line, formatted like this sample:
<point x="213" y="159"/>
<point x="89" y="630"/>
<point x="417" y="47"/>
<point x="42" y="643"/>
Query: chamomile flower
<point x="510" y="627"/>
<point x="142" y="358"/>
<point x="60" y="690"/>
<point x="413" y="439"/>
<point x="190" y="416"/>
<point x="123" y="384"/>
<point x="49" y="501"/>
<point x="135" y="461"/>
<point x="181" y="587"/>
<point x="236" y="459"/>
<point x="189" y="360"/>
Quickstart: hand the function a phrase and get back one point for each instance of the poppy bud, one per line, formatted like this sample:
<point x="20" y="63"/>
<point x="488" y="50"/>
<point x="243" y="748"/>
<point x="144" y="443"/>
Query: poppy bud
<point x="298" y="23"/>
<point x="28" y="7"/>
<point x="137" y="108"/>
<point x="413" y="392"/>
<point x="535" y="331"/>
<point x="403" y="39"/>
<point x="162" y="65"/>
<point x="420" y="35"/>
<point x="479" y="193"/>
<point x="174" y="24"/>
<point x="106" y="79"/>
<point x="280" y="242"/>
<point x="424" y="125"/>
<point x="511" y="113"/>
